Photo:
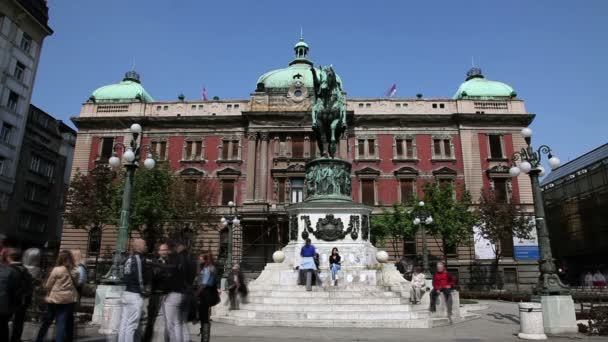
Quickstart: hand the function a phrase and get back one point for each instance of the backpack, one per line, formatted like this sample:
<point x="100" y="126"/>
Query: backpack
<point x="26" y="289"/>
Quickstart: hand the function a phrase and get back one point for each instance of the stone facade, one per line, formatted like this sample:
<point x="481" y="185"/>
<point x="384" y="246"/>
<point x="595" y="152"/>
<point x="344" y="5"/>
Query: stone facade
<point x="259" y="147"/>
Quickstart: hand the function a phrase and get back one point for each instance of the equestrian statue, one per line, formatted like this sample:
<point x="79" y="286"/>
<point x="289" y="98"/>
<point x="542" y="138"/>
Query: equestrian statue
<point x="328" y="110"/>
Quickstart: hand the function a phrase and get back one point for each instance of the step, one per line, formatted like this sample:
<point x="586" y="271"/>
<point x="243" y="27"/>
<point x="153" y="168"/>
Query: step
<point x="324" y="300"/>
<point x="328" y="288"/>
<point x="324" y="294"/>
<point x="336" y="307"/>
<point x="329" y="315"/>
<point x="333" y="323"/>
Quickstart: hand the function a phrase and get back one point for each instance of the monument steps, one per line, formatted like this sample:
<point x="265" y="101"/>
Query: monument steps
<point x="346" y="323"/>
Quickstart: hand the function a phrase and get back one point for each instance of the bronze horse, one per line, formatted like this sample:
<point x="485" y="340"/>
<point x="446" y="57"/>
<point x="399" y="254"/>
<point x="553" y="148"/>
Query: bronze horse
<point x="328" y="110"/>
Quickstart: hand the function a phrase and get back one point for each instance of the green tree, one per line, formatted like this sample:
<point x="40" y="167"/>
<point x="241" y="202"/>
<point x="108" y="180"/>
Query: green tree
<point x="500" y="220"/>
<point x="395" y="226"/>
<point x="453" y="219"/>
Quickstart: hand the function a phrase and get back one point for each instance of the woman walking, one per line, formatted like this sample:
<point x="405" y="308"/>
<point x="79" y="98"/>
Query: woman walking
<point x="208" y="295"/>
<point x="62" y="294"/>
<point x="334" y="265"/>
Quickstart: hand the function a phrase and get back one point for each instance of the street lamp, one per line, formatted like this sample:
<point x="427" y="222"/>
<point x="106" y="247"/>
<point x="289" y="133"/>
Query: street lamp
<point x="130" y="159"/>
<point x="530" y="163"/>
<point x="229" y="221"/>
<point x="422" y="218"/>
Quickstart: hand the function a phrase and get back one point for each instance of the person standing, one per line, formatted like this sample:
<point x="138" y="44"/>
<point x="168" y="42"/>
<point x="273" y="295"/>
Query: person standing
<point x="589" y="279"/>
<point x="334" y="265"/>
<point x="598" y="279"/>
<point x="161" y="278"/>
<point x="61" y="298"/>
<point x="308" y="265"/>
<point x="176" y="305"/>
<point x="24" y="292"/>
<point x="132" y="300"/>
<point x="208" y="295"/>
<point x="418" y="283"/>
<point x="237" y="289"/>
<point x="9" y="290"/>
<point x="443" y="282"/>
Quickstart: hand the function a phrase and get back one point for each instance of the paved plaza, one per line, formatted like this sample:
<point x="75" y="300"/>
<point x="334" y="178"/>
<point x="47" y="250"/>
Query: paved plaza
<point x="500" y="322"/>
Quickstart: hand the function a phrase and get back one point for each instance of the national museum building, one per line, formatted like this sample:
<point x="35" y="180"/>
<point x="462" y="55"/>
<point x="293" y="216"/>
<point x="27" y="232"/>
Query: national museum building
<point x="255" y="149"/>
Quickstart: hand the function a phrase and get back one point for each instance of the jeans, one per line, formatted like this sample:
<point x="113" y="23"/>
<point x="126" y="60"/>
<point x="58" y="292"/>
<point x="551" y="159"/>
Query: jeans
<point x="18" y="321"/>
<point x="335" y="268"/>
<point x="175" y="317"/>
<point x="4" y="319"/>
<point x="61" y="313"/>
<point x="448" y="299"/>
<point x="132" y="305"/>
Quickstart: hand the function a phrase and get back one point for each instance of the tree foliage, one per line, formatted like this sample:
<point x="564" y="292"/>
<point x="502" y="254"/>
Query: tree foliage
<point x="395" y="225"/>
<point x="453" y="219"/>
<point x="91" y="201"/>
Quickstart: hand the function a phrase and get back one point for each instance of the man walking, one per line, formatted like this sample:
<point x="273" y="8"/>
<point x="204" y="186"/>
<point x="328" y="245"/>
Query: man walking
<point x="9" y="293"/>
<point x="161" y="277"/>
<point x="132" y="299"/>
<point x="443" y="282"/>
<point x="25" y="289"/>
<point x="177" y="303"/>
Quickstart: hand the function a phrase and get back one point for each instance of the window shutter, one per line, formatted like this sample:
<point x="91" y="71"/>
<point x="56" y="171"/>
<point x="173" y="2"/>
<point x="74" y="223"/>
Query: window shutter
<point x="227" y="191"/>
<point x="437" y="148"/>
<point x="235" y="150"/>
<point x="407" y="190"/>
<point x="367" y="192"/>
<point x="225" y="147"/>
<point x="399" y="148"/>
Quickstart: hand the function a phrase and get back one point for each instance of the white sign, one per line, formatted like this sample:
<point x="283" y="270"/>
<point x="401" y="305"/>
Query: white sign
<point x="484" y="249"/>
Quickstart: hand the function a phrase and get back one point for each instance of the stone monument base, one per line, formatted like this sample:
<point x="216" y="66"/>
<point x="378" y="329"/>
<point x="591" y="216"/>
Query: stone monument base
<point x="558" y="315"/>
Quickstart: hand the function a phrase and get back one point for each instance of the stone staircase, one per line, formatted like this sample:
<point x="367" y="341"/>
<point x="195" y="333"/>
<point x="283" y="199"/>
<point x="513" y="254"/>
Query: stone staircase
<point x="356" y="305"/>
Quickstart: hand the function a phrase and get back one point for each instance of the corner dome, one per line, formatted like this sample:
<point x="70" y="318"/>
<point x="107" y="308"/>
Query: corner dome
<point x="128" y="90"/>
<point x="297" y="71"/>
<point x="476" y="86"/>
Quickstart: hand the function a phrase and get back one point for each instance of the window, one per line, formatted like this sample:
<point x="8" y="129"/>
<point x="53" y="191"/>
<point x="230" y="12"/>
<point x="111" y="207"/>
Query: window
<point x="510" y="275"/>
<point x="360" y="105"/>
<point x="409" y="248"/>
<point x="94" y="245"/>
<point x="297" y="190"/>
<point x="236" y="106"/>
<point x="442" y="148"/>
<point x="36" y="193"/>
<point x="398" y="105"/>
<point x="158" y="108"/>
<point x="200" y="107"/>
<point x="35" y="163"/>
<point x="3" y="165"/>
<point x="406" y="186"/>
<point x="6" y="133"/>
<point x="159" y="148"/>
<point x="506" y="247"/>
<point x="500" y="189"/>
<point x="227" y="191"/>
<point x="445" y="183"/>
<point x="368" y="196"/>
<point x="228" y="106"/>
<point x="107" y="148"/>
<point x="366" y="148"/>
<point x="193" y="107"/>
<point x="450" y="250"/>
<point x="19" y="71"/>
<point x="193" y="150"/>
<point x="434" y="105"/>
<point x="441" y="105"/>
<point x="49" y="170"/>
<point x="297" y="147"/>
<point x="165" y="107"/>
<point x="13" y="101"/>
<point x="495" y="142"/>
<point x="26" y="42"/>
<point x="368" y="105"/>
<point x="404" y="148"/>
<point x="230" y="149"/>
<point x="281" y="190"/>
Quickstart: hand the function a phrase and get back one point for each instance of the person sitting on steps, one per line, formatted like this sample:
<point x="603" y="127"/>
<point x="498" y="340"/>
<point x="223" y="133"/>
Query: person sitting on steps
<point x="443" y="282"/>
<point x="308" y="266"/>
<point x="334" y="265"/>
<point x="418" y="283"/>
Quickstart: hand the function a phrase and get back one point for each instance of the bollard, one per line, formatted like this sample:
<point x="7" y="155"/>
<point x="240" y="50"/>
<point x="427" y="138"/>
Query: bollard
<point x="531" y="322"/>
<point x="308" y="280"/>
<point x="112" y="312"/>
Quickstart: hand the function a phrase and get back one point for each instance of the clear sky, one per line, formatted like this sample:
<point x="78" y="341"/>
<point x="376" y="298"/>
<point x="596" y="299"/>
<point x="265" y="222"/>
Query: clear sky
<point x="554" y="53"/>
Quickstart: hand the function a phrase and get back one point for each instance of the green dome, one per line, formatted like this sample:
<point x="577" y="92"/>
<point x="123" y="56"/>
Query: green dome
<point x="476" y="86"/>
<point x="128" y="90"/>
<point x="298" y="70"/>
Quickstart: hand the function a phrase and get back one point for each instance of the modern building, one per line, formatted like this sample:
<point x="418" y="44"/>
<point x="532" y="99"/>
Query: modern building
<point x="23" y="27"/>
<point x="38" y="200"/>
<point x="576" y="198"/>
<point x="254" y="149"/>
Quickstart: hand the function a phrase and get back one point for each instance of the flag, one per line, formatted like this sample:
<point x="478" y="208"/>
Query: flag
<point x="392" y="90"/>
<point x="204" y="93"/>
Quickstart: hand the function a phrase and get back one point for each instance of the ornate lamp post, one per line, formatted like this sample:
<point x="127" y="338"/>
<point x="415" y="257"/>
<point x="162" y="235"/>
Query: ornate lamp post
<point x="422" y="218"/>
<point x="130" y="157"/>
<point x="530" y="163"/>
<point x="229" y="221"/>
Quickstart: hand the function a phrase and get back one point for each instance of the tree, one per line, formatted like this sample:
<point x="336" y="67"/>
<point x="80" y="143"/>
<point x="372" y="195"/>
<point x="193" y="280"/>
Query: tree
<point x="453" y="220"/>
<point x="91" y="202"/>
<point x="500" y="220"/>
<point x="395" y="225"/>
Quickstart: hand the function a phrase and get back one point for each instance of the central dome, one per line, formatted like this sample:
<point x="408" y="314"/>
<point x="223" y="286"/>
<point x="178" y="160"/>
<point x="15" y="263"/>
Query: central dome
<point x="478" y="87"/>
<point x="297" y="71"/>
<point x="128" y="90"/>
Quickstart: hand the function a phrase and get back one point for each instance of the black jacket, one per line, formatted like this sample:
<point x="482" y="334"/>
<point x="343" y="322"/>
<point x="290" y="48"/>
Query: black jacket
<point x="161" y="274"/>
<point x="9" y="287"/>
<point x="183" y="273"/>
<point x="134" y="271"/>
<point x="334" y="259"/>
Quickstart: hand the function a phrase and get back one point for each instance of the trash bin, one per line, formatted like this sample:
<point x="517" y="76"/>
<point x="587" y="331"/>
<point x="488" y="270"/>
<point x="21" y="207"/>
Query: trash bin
<point x="531" y="322"/>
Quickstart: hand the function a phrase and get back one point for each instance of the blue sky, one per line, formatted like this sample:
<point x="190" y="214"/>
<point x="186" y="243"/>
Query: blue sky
<point x="554" y="53"/>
